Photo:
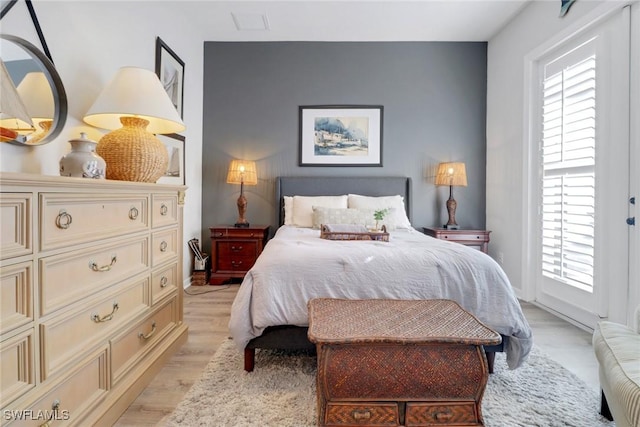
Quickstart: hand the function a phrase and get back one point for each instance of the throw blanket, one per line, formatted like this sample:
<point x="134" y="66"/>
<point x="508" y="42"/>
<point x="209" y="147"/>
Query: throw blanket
<point x="296" y="266"/>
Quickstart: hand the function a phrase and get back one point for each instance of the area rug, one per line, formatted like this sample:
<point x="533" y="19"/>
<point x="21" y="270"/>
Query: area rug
<point x="282" y="392"/>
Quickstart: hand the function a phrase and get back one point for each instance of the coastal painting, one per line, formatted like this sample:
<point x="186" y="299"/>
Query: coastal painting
<point x="341" y="135"/>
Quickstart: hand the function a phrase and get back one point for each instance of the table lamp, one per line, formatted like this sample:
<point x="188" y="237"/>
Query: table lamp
<point x="35" y="92"/>
<point x="451" y="174"/>
<point x="136" y="105"/>
<point x="242" y="172"/>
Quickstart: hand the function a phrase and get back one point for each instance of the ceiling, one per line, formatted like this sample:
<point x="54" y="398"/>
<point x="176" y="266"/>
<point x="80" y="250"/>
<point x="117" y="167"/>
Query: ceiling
<point x="300" y="20"/>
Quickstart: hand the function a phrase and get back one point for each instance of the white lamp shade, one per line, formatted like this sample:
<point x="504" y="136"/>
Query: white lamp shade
<point x="35" y="92"/>
<point x="135" y="92"/>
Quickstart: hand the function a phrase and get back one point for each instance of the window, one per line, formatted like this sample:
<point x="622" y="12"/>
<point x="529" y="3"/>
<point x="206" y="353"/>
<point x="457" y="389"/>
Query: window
<point x="568" y="166"/>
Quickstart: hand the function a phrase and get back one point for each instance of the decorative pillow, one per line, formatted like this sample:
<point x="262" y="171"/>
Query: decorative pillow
<point x="303" y="207"/>
<point x="288" y="210"/>
<point x="364" y="217"/>
<point x="398" y="215"/>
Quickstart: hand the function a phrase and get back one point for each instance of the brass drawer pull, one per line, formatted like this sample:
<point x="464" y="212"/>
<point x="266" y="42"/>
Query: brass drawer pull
<point x="150" y="334"/>
<point x="96" y="318"/>
<point x="94" y="266"/>
<point x="164" y="282"/>
<point x="442" y="416"/>
<point x="164" y="210"/>
<point x="361" y="415"/>
<point x="163" y="246"/>
<point x="236" y="263"/>
<point x="236" y="249"/>
<point x="55" y="407"/>
<point x="133" y="213"/>
<point x="63" y="220"/>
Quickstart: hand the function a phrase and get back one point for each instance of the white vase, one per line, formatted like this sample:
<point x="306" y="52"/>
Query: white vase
<point x="82" y="161"/>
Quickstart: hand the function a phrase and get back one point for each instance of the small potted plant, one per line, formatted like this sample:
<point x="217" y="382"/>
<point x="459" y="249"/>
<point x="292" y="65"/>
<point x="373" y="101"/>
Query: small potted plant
<point x="379" y="215"/>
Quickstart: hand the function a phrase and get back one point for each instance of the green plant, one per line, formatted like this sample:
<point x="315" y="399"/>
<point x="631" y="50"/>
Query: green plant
<point x="379" y="215"/>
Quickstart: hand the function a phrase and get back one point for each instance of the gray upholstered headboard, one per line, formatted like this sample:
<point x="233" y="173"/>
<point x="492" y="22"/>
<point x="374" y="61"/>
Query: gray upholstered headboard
<point x="335" y="186"/>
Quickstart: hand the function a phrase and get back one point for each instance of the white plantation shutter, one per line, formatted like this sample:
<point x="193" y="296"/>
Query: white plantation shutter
<point x="568" y="166"/>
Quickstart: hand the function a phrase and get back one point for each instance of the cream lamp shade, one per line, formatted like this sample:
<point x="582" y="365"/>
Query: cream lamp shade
<point x="242" y="172"/>
<point x="35" y="92"/>
<point x="451" y="174"/>
<point x="135" y="104"/>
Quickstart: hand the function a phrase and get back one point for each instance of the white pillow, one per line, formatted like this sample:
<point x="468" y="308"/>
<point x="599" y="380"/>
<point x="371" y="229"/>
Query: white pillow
<point x="288" y="210"/>
<point x="398" y="214"/>
<point x="303" y="207"/>
<point x="350" y="216"/>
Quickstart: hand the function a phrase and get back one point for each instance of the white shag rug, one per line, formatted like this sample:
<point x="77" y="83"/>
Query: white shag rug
<point x="281" y="392"/>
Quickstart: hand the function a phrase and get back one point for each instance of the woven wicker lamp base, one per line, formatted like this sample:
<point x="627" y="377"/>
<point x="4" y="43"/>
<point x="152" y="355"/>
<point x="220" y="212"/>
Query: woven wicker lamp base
<point x="132" y="153"/>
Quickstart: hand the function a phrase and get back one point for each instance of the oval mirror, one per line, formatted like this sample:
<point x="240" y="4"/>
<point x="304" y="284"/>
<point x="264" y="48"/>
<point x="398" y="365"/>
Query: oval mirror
<point x="33" y="106"/>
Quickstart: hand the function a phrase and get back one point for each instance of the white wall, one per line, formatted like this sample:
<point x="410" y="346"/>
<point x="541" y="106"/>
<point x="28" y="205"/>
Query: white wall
<point x="538" y="23"/>
<point x="89" y="41"/>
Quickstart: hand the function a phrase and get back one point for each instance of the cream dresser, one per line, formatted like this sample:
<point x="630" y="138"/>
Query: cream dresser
<point x="90" y="296"/>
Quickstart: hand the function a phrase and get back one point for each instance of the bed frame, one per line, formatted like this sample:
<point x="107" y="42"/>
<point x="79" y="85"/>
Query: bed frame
<point x="289" y="337"/>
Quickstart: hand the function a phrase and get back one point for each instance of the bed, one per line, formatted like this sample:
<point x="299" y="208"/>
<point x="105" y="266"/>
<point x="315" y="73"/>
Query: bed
<point x="270" y="309"/>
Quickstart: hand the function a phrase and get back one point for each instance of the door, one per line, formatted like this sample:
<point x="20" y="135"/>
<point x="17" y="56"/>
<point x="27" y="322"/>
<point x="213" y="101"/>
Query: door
<point x="582" y="174"/>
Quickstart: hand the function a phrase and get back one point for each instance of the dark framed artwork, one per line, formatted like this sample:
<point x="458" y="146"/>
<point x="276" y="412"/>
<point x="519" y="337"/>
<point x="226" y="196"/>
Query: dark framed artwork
<point x="170" y="71"/>
<point x="341" y="135"/>
<point x="174" y="143"/>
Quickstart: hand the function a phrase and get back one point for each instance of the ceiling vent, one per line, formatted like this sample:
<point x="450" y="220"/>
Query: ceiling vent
<point x="251" y="21"/>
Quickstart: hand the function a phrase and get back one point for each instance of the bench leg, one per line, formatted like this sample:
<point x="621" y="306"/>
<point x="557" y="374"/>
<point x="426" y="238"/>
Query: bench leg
<point x="604" y="407"/>
<point x="249" y="359"/>
<point x="491" y="357"/>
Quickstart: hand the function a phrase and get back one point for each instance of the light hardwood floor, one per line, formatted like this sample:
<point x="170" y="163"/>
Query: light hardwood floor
<point x="207" y="310"/>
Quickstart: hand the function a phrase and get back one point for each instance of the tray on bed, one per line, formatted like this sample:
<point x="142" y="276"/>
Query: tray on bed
<point x="381" y="236"/>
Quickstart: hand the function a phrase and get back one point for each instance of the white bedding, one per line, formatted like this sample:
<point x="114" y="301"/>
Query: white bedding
<point x="296" y="265"/>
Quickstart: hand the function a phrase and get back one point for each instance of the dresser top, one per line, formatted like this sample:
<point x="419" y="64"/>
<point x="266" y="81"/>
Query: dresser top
<point x="341" y="321"/>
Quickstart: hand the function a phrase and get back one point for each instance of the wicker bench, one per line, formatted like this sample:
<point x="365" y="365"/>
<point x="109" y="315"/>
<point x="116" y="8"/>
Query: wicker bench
<point x="398" y="362"/>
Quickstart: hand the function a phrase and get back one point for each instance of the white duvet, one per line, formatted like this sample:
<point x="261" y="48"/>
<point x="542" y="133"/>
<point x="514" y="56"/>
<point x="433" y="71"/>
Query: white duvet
<point x="297" y="265"/>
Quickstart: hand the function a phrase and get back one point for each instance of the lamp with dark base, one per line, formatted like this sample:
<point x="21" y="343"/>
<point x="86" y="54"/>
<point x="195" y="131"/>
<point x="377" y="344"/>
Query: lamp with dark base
<point x="242" y="172"/>
<point x="451" y="174"/>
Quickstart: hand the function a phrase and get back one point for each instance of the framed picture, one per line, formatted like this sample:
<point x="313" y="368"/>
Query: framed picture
<point x="341" y="135"/>
<point x="170" y="71"/>
<point x="175" y="169"/>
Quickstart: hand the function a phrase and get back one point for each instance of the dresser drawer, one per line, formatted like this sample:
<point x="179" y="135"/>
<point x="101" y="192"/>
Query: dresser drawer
<point x="430" y="414"/>
<point x="67" y="336"/>
<point x="75" y="395"/>
<point x="130" y="347"/>
<point x="163" y="283"/>
<point x="362" y="413"/>
<point x="164" y="210"/>
<point x="71" y="276"/>
<point x="70" y="219"/>
<point x="17" y="375"/>
<point x="16" y="226"/>
<point x="16" y="296"/>
<point x="164" y="246"/>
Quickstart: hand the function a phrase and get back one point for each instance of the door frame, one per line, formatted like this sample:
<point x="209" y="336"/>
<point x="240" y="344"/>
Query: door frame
<point x="615" y="301"/>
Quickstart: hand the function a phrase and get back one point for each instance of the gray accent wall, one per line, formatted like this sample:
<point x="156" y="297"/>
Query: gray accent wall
<point x="434" y="99"/>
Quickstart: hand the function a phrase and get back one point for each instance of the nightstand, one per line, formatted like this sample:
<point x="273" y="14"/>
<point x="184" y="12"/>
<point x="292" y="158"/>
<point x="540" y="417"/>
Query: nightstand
<point x="235" y="250"/>
<point x="478" y="239"/>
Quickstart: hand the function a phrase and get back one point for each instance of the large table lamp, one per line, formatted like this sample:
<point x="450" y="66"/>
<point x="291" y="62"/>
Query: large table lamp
<point x="451" y="174"/>
<point x="35" y="92"/>
<point x="242" y="172"/>
<point x="136" y="105"/>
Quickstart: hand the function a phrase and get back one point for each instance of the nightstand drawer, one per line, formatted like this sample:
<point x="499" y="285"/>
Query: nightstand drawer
<point x="362" y="413"/>
<point x="237" y="249"/>
<point x="478" y="239"/>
